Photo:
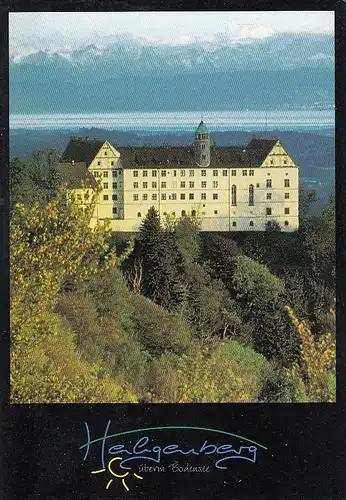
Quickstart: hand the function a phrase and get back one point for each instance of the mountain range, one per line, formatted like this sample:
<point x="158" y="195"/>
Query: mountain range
<point x="278" y="71"/>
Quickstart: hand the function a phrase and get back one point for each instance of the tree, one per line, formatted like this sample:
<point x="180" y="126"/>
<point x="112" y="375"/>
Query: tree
<point x="253" y="285"/>
<point x="162" y="262"/>
<point x="314" y="373"/>
<point x="49" y="247"/>
<point x="44" y="162"/>
<point x="307" y="198"/>
<point x="319" y="244"/>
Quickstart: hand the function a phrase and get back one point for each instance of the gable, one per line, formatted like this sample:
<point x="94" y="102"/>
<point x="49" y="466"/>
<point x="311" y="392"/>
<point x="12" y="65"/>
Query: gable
<point x="278" y="157"/>
<point x="105" y="152"/>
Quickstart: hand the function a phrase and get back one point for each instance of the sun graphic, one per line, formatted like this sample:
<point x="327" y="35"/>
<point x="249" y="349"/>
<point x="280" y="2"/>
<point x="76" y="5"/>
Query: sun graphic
<point x="120" y="476"/>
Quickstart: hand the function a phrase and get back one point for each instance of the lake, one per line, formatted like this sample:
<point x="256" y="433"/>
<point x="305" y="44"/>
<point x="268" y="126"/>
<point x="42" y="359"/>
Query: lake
<point x="302" y="120"/>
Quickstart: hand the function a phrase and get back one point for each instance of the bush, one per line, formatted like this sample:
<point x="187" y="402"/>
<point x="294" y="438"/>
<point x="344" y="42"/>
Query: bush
<point x="229" y="373"/>
<point x="52" y="371"/>
<point x="159" y="330"/>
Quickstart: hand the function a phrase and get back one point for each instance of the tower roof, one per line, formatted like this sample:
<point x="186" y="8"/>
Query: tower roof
<point x="202" y="128"/>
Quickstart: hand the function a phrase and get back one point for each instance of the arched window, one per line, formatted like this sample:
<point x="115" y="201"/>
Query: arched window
<point x="234" y="224"/>
<point x="183" y="213"/>
<point x="234" y="194"/>
<point x="251" y="195"/>
<point x="193" y="213"/>
<point x="139" y="214"/>
<point x="251" y="223"/>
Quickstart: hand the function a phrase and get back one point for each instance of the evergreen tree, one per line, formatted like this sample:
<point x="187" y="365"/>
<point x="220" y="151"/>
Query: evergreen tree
<point x="162" y="262"/>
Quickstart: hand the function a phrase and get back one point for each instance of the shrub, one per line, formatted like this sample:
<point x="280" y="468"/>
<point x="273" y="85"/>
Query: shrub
<point x="159" y="330"/>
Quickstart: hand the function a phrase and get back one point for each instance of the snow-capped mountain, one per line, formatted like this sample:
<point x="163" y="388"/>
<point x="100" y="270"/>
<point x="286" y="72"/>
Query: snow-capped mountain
<point x="124" y="71"/>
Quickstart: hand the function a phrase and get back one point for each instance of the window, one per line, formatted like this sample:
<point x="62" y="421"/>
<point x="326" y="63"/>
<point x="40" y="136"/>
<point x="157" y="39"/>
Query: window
<point x="139" y="214"/>
<point x="145" y="197"/>
<point x="251" y="223"/>
<point x="215" y="184"/>
<point x="251" y="172"/>
<point x="105" y="174"/>
<point x="234" y="173"/>
<point x="163" y="185"/>
<point x="182" y="184"/>
<point x="286" y="223"/>
<point x="215" y="212"/>
<point x="269" y="196"/>
<point x="174" y="196"/>
<point x="114" y="197"/>
<point x="287" y="196"/>
<point x="287" y="211"/>
<point x="203" y="146"/>
<point x="182" y="196"/>
<point x="135" y="185"/>
<point x="244" y="172"/>
<point x="203" y="157"/>
<point x="234" y="224"/>
<point x="105" y="196"/>
<point x="269" y="183"/>
<point x="193" y="213"/>
<point x="154" y="173"/>
<point x="271" y="162"/>
<point x="174" y="173"/>
<point x="182" y="173"/>
<point x="115" y="185"/>
<point x="97" y="174"/>
<point x="215" y="197"/>
<point x="135" y="197"/>
<point x="287" y="183"/>
<point x="191" y="196"/>
<point x="257" y="185"/>
<point x="191" y="184"/>
<point x="154" y="185"/>
<point x="154" y="196"/>
<point x="234" y="194"/>
<point x="224" y="173"/>
<point x="269" y="211"/>
<point x="145" y="173"/>
<point x="99" y="163"/>
<point x="112" y="163"/>
<point x="183" y="213"/>
<point x="115" y="210"/>
<point x="285" y="162"/>
<point x="105" y="185"/>
<point x="203" y="196"/>
<point x="204" y="184"/>
<point x="163" y="173"/>
<point x="135" y="173"/>
<point x="145" y="185"/>
<point x="191" y="173"/>
<point x="163" y="196"/>
<point x="215" y="173"/>
<point x="203" y="173"/>
<point x="115" y="173"/>
<point x="251" y="195"/>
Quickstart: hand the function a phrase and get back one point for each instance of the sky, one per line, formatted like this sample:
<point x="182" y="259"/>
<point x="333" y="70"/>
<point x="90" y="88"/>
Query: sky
<point x="47" y="30"/>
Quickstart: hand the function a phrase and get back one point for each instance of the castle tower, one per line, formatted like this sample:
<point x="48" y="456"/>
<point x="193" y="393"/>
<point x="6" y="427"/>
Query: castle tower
<point x="202" y="145"/>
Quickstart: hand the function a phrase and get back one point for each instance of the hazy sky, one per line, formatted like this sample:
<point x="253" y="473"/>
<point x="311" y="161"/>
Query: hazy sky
<point x="48" y="29"/>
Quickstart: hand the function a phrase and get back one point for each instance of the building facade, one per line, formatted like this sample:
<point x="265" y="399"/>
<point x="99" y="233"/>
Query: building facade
<point x="238" y="188"/>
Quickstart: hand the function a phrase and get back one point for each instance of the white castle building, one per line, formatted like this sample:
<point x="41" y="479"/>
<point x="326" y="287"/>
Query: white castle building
<point x="236" y="188"/>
